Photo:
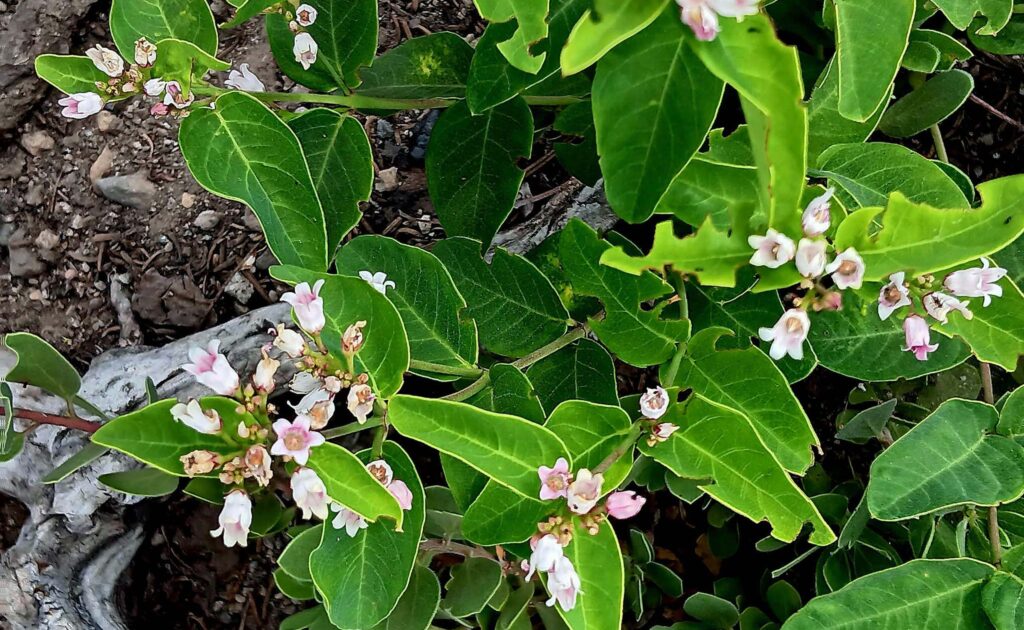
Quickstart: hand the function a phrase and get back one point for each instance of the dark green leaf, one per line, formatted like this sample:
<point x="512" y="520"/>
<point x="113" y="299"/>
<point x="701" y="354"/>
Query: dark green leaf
<point x="580" y="371"/>
<point x="39" y="363"/>
<point x="579" y="157"/>
<point x="713" y="611"/>
<point x="143" y="482"/>
<point x="827" y="126"/>
<point x="187" y="20"/>
<point x="89" y="453"/>
<point x="960" y="14"/>
<point x="415" y="610"/>
<point x="471" y="586"/>
<point x="598" y="562"/>
<point x="434" y="66"/>
<point x="930" y="104"/>
<point x="867" y="424"/>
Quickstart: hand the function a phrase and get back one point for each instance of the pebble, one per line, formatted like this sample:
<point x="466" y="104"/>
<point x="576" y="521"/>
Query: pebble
<point x="24" y="261"/>
<point x="385" y="130"/>
<point x="47" y="240"/>
<point x="239" y="288"/>
<point x="251" y="221"/>
<point x="387" y="179"/>
<point x="135" y="190"/>
<point x="107" y="121"/>
<point x="34" y="195"/>
<point x="37" y="142"/>
<point x="207" y="219"/>
<point x="188" y="200"/>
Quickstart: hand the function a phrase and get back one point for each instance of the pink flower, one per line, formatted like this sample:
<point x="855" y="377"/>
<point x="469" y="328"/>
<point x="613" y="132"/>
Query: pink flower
<point x="810" y="257"/>
<point x="563" y="584"/>
<point x="308" y="306"/>
<point x="193" y="416"/>
<point x="938" y="305"/>
<point x="702" y="15"/>
<point x="976" y="282"/>
<point x="211" y="368"/>
<point x="624" y="504"/>
<point x="892" y="296"/>
<point x="305" y="48"/>
<point x="663" y="430"/>
<point x="788" y="335"/>
<point x="383" y="473"/>
<point x="816" y="218"/>
<point x="80" y="105"/>
<point x="847" y="269"/>
<point x="348" y="519"/>
<point x="310" y="493"/>
<point x="176" y="96"/>
<point x="305" y="15"/>
<point x="295" y="439"/>
<point x="772" y="250"/>
<point x="918" y="337"/>
<point x="243" y="79"/>
<point x="654" y="403"/>
<point x="235" y="519"/>
<point x="546" y="551"/>
<point x="402" y="493"/>
<point x="159" y="109"/>
<point x="554" y="482"/>
<point x="584" y="491"/>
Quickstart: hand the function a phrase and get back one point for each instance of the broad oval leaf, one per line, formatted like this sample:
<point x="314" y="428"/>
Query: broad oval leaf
<point x="347" y="300"/>
<point x="70" y="73"/>
<point x="709" y="190"/>
<point x="966" y="463"/>
<point x="598" y="562"/>
<point x="1003" y="601"/>
<point x="242" y="151"/>
<point x="141" y="482"/>
<point x="187" y="20"/>
<point x="472" y="174"/>
<point x="995" y="332"/>
<point x="472" y="584"/>
<point x="600" y="30"/>
<point x="583" y="370"/>
<point x="416" y="609"/>
<point x="646" y="130"/>
<point x="39" y="363"/>
<point x="928" y="105"/>
<point x="1011" y="415"/>
<point x="349" y="483"/>
<point x="921" y="594"/>
<point x="294" y="560"/>
<point x="1009" y="40"/>
<point x="425" y="296"/>
<point x="826" y="126"/>
<point x="433" y="66"/>
<point x="362" y="577"/>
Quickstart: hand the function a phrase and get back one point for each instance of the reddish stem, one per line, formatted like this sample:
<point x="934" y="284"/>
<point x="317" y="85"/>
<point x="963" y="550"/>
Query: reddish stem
<point x="87" y="426"/>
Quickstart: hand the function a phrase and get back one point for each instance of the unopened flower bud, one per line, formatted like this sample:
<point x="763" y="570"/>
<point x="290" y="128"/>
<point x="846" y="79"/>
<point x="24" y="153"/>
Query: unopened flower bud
<point x="263" y="379"/>
<point x="289" y="341"/>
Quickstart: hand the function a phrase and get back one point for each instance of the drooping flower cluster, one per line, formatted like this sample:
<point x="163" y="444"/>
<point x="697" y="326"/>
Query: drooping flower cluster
<point x="653" y="405"/>
<point x="304" y="47"/>
<point x="702" y="15"/>
<point x="122" y="79"/>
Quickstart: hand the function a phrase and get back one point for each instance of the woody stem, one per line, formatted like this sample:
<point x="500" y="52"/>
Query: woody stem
<point x="63" y="421"/>
<point x="621" y="449"/>
<point x="993" y="511"/>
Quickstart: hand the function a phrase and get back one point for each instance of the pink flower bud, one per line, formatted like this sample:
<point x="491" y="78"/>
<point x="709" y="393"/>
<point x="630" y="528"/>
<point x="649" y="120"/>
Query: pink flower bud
<point x="352" y="340"/>
<point x="288" y="341"/>
<point x="81" y="105"/>
<point x="159" y="109"/>
<point x="307" y="305"/>
<point x="624" y="504"/>
<point x="918" y="337"/>
<point x="199" y="462"/>
<point x="584" y="491"/>
<point x="402" y="494"/>
<point x="263" y="379"/>
<point x="554" y="482"/>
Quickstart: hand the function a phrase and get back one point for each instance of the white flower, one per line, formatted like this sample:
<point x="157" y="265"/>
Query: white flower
<point x="308" y="306"/>
<point x="654" y="403"/>
<point x="288" y="341"/>
<point x="305" y="15"/>
<point x="145" y="53"/>
<point x="894" y="295"/>
<point x="318" y="405"/>
<point x="702" y="15"/>
<point x="378" y="280"/>
<point x="976" y="282"/>
<point x="938" y="305"/>
<point x="257" y="464"/>
<point x="546" y="551"/>
<point x="788" y="334"/>
<point x="303" y="383"/>
<point x="816" y="218"/>
<point x="263" y="379"/>
<point x="211" y="368"/>
<point x="176" y="96"/>
<point x="918" y="337"/>
<point x="154" y="87"/>
<point x="193" y="416"/>
<point x="847" y="269"/>
<point x="563" y="584"/>
<point x="243" y="79"/>
<point x="235" y="519"/>
<point x="771" y="250"/>
<point x="353" y="339"/>
<point x="348" y="519"/>
<point x="810" y="257"/>
<point x="108" y="61"/>
<point x="310" y="493"/>
<point x="305" y="50"/>
<point x="584" y="491"/>
<point x="81" y="105"/>
<point x="296" y="439"/>
<point x="664" y="430"/>
<point x="360" y="401"/>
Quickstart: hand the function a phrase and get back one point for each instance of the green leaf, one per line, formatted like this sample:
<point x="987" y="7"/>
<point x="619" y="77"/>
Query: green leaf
<point x="509" y="392"/>
<point x="246" y="10"/>
<point x="923" y="239"/>
<point x="706" y="189"/>
<point x="415" y="610"/>
<point x="928" y="105"/>
<point x="89" y="453"/>
<point x="713" y="611"/>
<point x="493" y="80"/>
<point x="579" y="158"/>
<point x="182" y="61"/>
<point x="950" y="49"/>
<point x="294" y="560"/>
<point x="995" y="332"/>
<point x="341" y="166"/>
<point x="635" y="334"/>
<point x="187" y="20"/>
<point x="70" y="74"/>
<point x="471" y="586"/>
<point x="291" y="588"/>
<point x="967" y="464"/>
<point x="748" y="56"/>
<point x="854" y="342"/>
<point x="582" y="370"/>
<point x="783" y="599"/>
<point x="960" y="14"/>
<point x="500" y="516"/>
<point x="349" y="483"/>
<point x="142" y="482"/>
<point x="1003" y="601"/>
<point x="425" y="296"/>
<point x="208" y="489"/>
<point x="828" y="127"/>
<point x="506" y="448"/>
<point x="347" y="300"/>
<point x="1011" y="417"/>
<point x="314" y="618"/>
<point x="602" y="29"/>
<point x="515" y="307"/>
<point x="866" y="174"/>
<point x="345" y="31"/>
<point x="867" y="424"/>
<point x="748" y="382"/>
<point x="515" y="613"/>
<point x="433" y="66"/>
<point x="13" y="445"/>
<point x="472" y="174"/>
<point x="645" y="133"/>
<point x="923" y="594"/>
<point x="530" y="17"/>
<point x="241" y="151"/>
<point x="598" y="562"/>
<point x="920" y="57"/>
<point x="873" y="43"/>
<point x="753" y="484"/>
<point x="152" y="436"/>
<point x="39" y="363"/>
<point x="362" y="577"/>
<point x="1009" y="41"/>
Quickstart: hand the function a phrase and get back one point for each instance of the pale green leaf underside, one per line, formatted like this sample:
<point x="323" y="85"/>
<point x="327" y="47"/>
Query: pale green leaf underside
<point x="1003" y="600"/>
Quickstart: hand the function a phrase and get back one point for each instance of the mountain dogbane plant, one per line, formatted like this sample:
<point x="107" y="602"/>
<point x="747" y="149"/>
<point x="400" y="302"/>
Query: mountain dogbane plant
<point x="593" y="381"/>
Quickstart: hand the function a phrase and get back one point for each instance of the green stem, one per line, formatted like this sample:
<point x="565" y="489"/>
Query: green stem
<point x="940" y="146"/>
<point x="452" y="370"/>
<point x="634" y="434"/>
<point x="378" y="440"/>
<point x="91" y="408"/>
<point x="352" y="427"/>
<point x="993" y="511"/>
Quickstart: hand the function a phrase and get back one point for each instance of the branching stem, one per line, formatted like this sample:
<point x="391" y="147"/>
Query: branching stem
<point x="62" y="421"/>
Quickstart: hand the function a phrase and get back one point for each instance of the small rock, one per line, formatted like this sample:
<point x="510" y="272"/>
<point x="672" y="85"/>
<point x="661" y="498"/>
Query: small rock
<point x="385" y="129"/>
<point x="107" y="122"/>
<point x="266" y="260"/>
<point x="47" y="240"/>
<point x="207" y="220"/>
<point x="187" y="200"/>
<point x="104" y="162"/>
<point x="251" y="221"/>
<point x="12" y="165"/>
<point x="387" y="180"/>
<point x="6" y="231"/>
<point x="34" y="195"/>
<point x="25" y="263"/>
<point x="134" y="191"/>
<point x="239" y="288"/>
<point x="37" y="142"/>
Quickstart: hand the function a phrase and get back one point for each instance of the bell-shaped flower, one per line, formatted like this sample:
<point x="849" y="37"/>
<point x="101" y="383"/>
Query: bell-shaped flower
<point x="654" y="403"/>
<point x="554" y="481"/>
<point x="664" y="430"/>
<point x="235" y="519"/>
<point x="257" y="465"/>
<point x="810" y="257"/>
<point x="352" y="340"/>
<point x="318" y="405"/>
<point x="348" y="519"/>
<point x="145" y="53"/>
<point x="154" y="87"/>
<point x="304" y="48"/>
<point x="847" y="269"/>
<point x="402" y="493"/>
<point x="702" y="15"/>
<point x="624" y="504"/>
<point x="894" y="295"/>
<point x="175" y="95"/>
<point x="295" y="439"/>
<point x="211" y="368"/>
<point x="80" y="105"/>
<point x="788" y="335"/>
<point x="938" y="305"/>
<point x="193" y="416"/>
<point x="243" y="79"/>
<point x="381" y="471"/>
<point x="378" y="281"/>
<point x="360" y="401"/>
<point x="263" y="379"/>
<point x="546" y="551"/>
<point x="310" y="493"/>
<point x="584" y="491"/>
<point x="563" y="584"/>
<point x="771" y="250"/>
<point x="304" y="383"/>
<point x="976" y="282"/>
<point x="305" y="15"/>
<point x="817" y="218"/>
<point x="308" y="306"/>
<point x="108" y="61"/>
<point x="199" y="462"/>
<point x="288" y="341"/>
<point x="918" y="337"/>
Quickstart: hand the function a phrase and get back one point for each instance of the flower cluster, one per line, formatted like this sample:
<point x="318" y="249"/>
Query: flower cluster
<point x="702" y="15"/>
<point x="304" y="47"/>
<point x="653" y="405"/>
<point x="122" y="79"/>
